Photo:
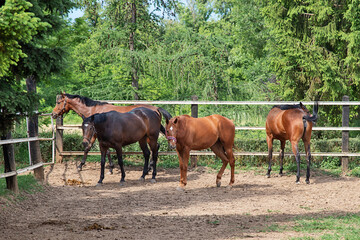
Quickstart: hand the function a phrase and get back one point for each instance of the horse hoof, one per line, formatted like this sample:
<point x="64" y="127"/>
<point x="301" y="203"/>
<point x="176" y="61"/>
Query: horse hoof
<point x="153" y="180"/>
<point x="297" y="182"/>
<point x="99" y="185"/>
<point x="268" y="175"/>
<point x="218" y="184"/>
<point x="122" y="183"/>
<point x="79" y="169"/>
<point x="142" y="179"/>
<point x="307" y="182"/>
<point x="109" y="173"/>
<point x="281" y="174"/>
<point x="229" y="187"/>
<point x="180" y="189"/>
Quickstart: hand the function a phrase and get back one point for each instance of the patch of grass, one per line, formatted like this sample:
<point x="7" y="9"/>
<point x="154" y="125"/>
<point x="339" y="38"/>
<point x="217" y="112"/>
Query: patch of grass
<point x="273" y="228"/>
<point x="332" y="227"/>
<point x="355" y="172"/>
<point x="27" y="185"/>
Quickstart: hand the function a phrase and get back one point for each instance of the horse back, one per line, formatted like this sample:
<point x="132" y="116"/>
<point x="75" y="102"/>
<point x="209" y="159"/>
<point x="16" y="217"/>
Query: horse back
<point x="115" y="128"/>
<point x="202" y="133"/>
<point x="285" y="124"/>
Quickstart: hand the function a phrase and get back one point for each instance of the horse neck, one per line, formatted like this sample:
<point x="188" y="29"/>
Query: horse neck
<point x="80" y="108"/>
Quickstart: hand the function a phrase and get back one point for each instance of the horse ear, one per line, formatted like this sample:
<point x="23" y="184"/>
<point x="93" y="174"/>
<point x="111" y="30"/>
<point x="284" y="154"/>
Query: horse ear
<point x="63" y="94"/>
<point x="301" y="105"/>
<point x="92" y="118"/>
<point x="167" y="121"/>
<point x="176" y="120"/>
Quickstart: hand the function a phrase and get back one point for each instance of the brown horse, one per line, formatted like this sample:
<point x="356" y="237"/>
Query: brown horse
<point x="116" y="130"/>
<point x="215" y="132"/>
<point x="290" y="122"/>
<point x="85" y="107"/>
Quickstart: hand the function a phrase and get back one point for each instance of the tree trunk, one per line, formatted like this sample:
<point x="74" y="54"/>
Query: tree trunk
<point x="9" y="162"/>
<point x="33" y="126"/>
<point x="134" y="76"/>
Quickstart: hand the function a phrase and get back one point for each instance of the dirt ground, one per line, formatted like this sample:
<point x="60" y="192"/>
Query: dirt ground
<point x="72" y="207"/>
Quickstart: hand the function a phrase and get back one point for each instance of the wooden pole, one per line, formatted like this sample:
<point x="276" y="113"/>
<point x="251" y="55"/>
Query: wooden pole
<point x="59" y="139"/>
<point x="194" y="113"/>
<point x="345" y="135"/>
<point x="33" y="126"/>
<point x="9" y="162"/>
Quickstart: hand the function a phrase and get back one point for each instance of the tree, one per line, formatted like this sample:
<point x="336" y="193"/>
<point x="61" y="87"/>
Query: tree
<point x="16" y="25"/>
<point x="312" y="48"/>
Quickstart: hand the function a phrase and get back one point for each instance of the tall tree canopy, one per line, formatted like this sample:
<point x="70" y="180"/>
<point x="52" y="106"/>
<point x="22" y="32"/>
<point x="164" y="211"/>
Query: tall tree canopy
<point x="312" y="49"/>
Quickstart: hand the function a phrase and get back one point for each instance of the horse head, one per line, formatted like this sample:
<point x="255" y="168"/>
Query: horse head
<point x="89" y="132"/>
<point x="171" y="131"/>
<point x="61" y="106"/>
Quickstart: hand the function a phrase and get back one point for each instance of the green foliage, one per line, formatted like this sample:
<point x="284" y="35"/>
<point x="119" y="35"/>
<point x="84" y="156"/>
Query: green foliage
<point x="312" y="48"/>
<point x="16" y="24"/>
<point x="332" y="227"/>
<point x="27" y="185"/>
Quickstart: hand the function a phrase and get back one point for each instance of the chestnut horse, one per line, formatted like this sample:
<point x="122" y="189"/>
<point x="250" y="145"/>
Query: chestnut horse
<point x="85" y="107"/>
<point x="116" y="130"/>
<point x="291" y="122"/>
<point x="215" y="132"/>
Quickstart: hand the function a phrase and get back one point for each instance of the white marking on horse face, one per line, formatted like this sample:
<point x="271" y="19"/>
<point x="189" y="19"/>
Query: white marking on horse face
<point x="171" y="128"/>
<point x="86" y="125"/>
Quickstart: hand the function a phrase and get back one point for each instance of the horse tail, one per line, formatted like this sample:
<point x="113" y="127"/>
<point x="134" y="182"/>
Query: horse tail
<point x="166" y="115"/>
<point x="312" y="118"/>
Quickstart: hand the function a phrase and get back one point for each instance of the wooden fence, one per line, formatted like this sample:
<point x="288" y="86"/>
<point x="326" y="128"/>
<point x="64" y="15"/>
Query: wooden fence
<point x="345" y="154"/>
<point x="14" y="172"/>
<point x="58" y="139"/>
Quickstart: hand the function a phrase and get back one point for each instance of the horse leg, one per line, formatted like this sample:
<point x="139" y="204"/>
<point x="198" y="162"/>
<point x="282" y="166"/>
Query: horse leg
<point x="183" y="155"/>
<point x="282" y="157"/>
<point x="154" y="146"/>
<point x="146" y="153"/>
<point x="103" y="153"/>
<point x="82" y="163"/>
<point x="121" y="164"/>
<point x="110" y="162"/>
<point x="269" y="141"/>
<point x="218" y="149"/>
<point x="294" y="145"/>
<point x="308" y="157"/>
<point x="86" y="151"/>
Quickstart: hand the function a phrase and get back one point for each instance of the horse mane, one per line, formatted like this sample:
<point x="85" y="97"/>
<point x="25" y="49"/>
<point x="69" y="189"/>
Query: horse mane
<point x="85" y="100"/>
<point x="287" y="106"/>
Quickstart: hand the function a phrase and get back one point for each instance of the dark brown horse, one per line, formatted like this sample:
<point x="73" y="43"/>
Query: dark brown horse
<point x="85" y="107"/>
<point x="291" y="122"/>
<point x="115" y="130"/>
<point x="215" y="132"/>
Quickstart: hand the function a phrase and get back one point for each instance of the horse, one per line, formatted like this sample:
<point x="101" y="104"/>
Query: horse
<point x="216" y="132"/>
<point x="290" y="122"/>
<point x="85" y="107"/>
<point x="115" y="130"/>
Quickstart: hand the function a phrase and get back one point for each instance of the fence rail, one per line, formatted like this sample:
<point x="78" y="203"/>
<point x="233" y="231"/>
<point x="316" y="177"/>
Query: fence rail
<point x="31" y="139"/>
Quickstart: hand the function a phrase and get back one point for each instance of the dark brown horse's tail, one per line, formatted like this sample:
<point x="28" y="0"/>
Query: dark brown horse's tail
<point x="312" y="118"/>
<point x="167" y="116"/>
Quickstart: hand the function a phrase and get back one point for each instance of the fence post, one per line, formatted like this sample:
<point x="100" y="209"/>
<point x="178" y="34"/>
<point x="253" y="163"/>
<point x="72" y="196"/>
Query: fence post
<point x="59" y="139"/>
<point x="194" y="113"/>
<point x="9" y="162"/>
<point x="33" y="128"/>
<point x="345" y="135"/>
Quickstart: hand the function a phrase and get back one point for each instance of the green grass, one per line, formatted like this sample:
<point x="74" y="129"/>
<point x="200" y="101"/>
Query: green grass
<point x="27" y="185"/>
<point x="332" y="227"/>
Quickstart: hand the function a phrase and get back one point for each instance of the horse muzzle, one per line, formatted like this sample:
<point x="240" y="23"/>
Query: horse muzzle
<point x="172" y="141"/>
<point x="54" y="115"/>
<point x="85" y="144"/>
